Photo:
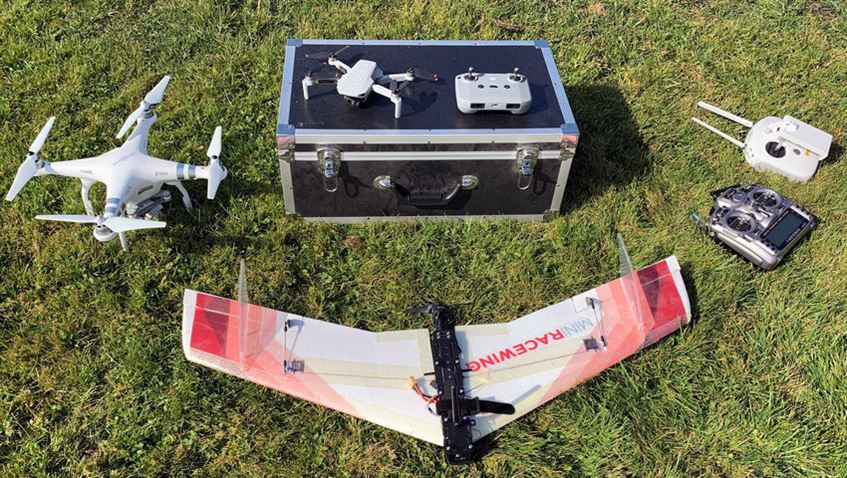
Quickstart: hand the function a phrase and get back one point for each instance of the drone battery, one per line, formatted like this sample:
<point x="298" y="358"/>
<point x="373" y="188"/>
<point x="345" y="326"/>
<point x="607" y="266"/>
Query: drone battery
<point x="350" y="159"/>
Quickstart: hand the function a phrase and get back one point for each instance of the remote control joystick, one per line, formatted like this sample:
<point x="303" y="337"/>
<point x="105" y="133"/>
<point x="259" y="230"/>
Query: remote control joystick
<point x="470" y="76"/>
<point x="515" y="77"/>
<point x="766" y="199"/>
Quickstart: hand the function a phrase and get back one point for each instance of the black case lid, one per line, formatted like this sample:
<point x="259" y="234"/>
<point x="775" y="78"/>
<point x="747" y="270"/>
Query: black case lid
<point x="426" y="105"/>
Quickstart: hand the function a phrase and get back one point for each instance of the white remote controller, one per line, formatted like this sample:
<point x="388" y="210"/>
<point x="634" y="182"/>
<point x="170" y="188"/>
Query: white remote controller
<point x="492" y="92"/>
<point x="785" y="146"/>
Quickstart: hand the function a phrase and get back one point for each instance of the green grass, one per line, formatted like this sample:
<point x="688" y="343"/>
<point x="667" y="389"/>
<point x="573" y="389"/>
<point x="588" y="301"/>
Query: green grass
<point x="94" y="381"/>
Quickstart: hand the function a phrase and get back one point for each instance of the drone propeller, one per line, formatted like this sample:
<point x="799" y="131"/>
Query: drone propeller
<point x="422" y="74"/>
<point x="311" y="72"/>
<point x="30" y="166"/>
<point x="320" y="67"/>
<point x="121" y="224"/>
<point x="117" y="224"/>
<point x="217" y="172"/>
<point x="395" y="88"/>
<point x="153" y="98"/>
<point x="325" y="55"/>
<point x="77" y="218"/>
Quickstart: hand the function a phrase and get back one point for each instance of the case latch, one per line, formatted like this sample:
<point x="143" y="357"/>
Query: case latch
<point x="526" y="159"/>
<point x="329" y="164"/>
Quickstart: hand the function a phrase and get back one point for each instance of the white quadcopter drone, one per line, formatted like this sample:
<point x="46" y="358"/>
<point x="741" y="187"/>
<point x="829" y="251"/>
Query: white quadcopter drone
<point x="133" y="179"/>
<point x="357" y="82"/>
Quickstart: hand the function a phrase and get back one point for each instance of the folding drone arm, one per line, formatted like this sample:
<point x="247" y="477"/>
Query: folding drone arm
<point x="395" y="98"/>
<point x="335" y="62"/>
<point x="407" y="76"/>
<point x="312" y="81"/>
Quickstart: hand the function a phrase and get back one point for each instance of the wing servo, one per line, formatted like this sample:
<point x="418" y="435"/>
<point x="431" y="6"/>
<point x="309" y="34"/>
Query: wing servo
<point x="450" y="385"/>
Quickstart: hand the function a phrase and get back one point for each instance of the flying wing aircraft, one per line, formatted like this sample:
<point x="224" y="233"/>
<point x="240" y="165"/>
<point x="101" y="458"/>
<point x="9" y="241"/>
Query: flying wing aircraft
<point x="450" y="385"/>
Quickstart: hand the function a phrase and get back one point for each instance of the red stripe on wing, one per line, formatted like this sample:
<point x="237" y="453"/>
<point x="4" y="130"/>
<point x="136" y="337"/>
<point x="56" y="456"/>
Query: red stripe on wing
<point x="214" y="327"/>
<point x="665" y="302"/>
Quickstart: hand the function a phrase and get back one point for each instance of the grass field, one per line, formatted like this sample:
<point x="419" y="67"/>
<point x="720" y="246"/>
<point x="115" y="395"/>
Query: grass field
<point x="93" y="380"/>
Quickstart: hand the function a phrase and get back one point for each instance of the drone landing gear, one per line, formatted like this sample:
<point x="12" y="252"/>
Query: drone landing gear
<point x="186" y="199"/>
<point x="86" y="187"/>
<point x="309" y="80"/>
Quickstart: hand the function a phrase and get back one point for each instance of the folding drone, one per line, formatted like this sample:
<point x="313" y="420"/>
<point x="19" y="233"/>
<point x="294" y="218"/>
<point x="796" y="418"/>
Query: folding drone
<point x="357" y="82"/>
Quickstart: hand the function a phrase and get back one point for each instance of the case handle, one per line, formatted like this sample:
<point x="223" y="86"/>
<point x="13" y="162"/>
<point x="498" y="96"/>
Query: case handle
<point x="424" y="199"/>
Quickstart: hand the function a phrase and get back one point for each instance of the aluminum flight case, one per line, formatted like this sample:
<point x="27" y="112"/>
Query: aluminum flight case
<point x="344" y="164"/>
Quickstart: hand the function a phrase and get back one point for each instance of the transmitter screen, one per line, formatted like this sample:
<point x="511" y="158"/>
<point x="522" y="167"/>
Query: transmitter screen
<point x="780" y="233"/>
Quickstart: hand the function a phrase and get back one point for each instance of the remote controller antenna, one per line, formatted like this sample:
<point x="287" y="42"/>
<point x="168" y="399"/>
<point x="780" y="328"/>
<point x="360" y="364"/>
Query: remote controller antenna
<point x="726" y="114"/>
<point x="786" y="146"/>
<point x="718" y="132"/>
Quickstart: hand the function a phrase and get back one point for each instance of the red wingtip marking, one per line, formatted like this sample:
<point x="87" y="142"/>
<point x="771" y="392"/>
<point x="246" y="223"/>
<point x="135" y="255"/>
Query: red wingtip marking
<point x="665" y="308"/>
<point x="214" y="325"/>
<point x="662" y="295"/>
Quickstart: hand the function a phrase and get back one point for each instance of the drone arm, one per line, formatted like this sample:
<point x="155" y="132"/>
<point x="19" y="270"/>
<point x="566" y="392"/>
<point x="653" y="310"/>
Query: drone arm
<point x="83" y="169"/>
<point x="116" y="191"/>
<point x="311" y="81"/>
<point x="334" y="62"/>
<point x="383" y="91"/>
<point x="395" y="77"/>
<point x="171" y="172"/>
<point x="306" y="84"/>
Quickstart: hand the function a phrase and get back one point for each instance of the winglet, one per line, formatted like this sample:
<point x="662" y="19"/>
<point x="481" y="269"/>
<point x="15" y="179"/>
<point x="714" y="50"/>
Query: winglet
<point x="626" y="263"/>
<point x="242" y="282"/>
<point x="242" y="311"/>
<point x="633" y="289"/>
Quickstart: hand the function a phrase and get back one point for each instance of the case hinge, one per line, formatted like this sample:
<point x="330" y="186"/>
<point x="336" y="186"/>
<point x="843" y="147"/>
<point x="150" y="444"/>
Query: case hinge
<point x="568" y="146"/>
<point x="526" y="159"/>
<point x="329" y="164"/>
<point x="285" y="148"/>
<point x="285" y="140"/>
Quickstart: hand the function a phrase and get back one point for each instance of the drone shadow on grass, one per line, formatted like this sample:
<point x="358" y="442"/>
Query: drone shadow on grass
<point x="611" y="151"/>
<point x="201" y="225"/>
